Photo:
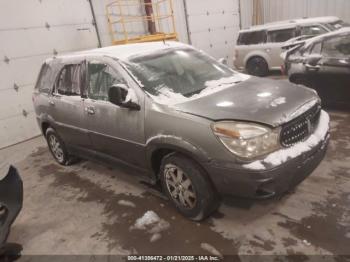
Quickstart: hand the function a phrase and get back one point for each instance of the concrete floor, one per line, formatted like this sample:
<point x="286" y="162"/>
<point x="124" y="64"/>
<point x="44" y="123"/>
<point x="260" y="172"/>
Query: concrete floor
<point x="83" y="209"/>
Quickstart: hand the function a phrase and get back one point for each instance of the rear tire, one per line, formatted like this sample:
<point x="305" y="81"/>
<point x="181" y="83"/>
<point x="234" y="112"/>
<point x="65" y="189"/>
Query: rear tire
<point x="58" y="148"/>
<point x="257" y="66"/>
<point x="187" y="186"/>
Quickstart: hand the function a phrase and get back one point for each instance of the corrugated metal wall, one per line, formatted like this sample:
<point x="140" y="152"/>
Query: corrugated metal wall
<point x="246" y="13"/>
<point x="31" y="31"/>
<point x="274" y="10"/>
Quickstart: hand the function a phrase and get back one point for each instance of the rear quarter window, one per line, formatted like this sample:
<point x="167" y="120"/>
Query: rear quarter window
<point x="44" y="83"/>
<point x="252" y="38"/>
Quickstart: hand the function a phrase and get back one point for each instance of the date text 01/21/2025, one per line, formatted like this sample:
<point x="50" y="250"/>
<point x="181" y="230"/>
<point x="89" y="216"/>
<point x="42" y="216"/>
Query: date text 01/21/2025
<point x="173" y="258"/>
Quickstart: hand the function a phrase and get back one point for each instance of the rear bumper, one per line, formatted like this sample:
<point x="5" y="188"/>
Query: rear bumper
<point x="267" y="183"/>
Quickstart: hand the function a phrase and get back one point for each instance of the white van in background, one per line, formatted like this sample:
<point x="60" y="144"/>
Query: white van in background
<point x="259" y="48"/>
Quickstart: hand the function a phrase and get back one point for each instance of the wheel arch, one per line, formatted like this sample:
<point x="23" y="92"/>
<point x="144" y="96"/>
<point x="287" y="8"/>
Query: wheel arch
<point x="44" y="126"/>
<point x="161" y="146"/>
<point x="257" y="53"/>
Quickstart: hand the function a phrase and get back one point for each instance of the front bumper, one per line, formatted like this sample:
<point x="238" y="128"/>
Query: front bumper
<point x="267" y="183"/>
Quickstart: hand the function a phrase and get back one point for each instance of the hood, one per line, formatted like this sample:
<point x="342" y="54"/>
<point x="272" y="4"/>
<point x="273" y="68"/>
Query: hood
<point x="257" y="100"/>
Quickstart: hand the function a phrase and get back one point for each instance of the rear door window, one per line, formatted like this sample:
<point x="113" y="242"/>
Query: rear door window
<point x="280" y="36"/>
<point x="252" y="38"/>
<point x="338" y="47"/>
<point x="69" y="81"/>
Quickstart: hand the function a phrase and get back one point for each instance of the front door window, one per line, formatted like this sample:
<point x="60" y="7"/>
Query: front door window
<point x="101" y="78"/>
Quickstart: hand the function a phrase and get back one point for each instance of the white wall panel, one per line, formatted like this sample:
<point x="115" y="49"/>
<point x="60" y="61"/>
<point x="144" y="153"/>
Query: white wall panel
<point x="31" y="31"/>
<point x="213" y="27"/>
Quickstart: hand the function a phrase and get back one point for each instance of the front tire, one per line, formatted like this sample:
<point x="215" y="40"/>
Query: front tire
<point x="187" y="186"/>
<point x="57" y="148"/>
<point x="257" y="66"/>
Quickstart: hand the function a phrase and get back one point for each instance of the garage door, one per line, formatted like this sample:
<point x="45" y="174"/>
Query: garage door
<point x="31" y="31"/>
<point x="214" y="27"/>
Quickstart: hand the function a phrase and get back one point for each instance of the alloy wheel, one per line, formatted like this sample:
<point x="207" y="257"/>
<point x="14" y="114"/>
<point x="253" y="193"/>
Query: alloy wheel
<point x="180" y="186"/>
<point x="56" y="148"/>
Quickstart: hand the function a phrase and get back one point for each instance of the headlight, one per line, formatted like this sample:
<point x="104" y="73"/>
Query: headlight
<point x="247" y="140"/>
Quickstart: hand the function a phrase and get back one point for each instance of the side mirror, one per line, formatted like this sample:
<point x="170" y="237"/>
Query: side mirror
<point x="118" y="95"/>
<point x="223" y="61"/>
<point x="313" y="60"/>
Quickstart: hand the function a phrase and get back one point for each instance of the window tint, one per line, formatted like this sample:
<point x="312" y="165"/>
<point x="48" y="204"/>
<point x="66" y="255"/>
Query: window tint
<point x="252" y="38"/>
<point x="312" y="30"/>
<point x="69" y="81"/>
<point x="337" y="47"/>
<point x="280" y="36"/>
<point x="101" y="78"/>
<point x="44" y="84"/>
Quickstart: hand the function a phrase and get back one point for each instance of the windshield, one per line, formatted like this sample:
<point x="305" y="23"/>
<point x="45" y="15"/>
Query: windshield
<point x="336" y="25"/>
<point x="183" y="71"/>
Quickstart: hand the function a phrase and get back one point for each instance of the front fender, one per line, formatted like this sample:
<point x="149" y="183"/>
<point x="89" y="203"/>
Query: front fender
<point x="177" y="144"/>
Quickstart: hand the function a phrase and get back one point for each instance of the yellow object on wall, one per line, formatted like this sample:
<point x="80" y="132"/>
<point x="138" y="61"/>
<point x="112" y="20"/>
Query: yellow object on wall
<point x="135" y="21"/>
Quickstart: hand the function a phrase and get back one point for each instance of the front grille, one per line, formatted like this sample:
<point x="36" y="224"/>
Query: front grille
<point x="301" y="127"/>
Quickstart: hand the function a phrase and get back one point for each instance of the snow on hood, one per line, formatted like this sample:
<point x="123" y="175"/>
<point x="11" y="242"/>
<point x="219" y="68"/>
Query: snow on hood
<point x="167" y="96"/>
<point x="258" y="100"/>
<point x="281" y="156"/>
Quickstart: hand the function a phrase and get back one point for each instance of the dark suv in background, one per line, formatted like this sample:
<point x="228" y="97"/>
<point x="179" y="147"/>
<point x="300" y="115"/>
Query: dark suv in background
<point x="323" y="63"/>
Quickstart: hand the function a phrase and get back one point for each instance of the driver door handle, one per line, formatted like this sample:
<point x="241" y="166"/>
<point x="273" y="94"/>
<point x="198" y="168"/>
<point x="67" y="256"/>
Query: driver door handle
<point x="90" y="110"/>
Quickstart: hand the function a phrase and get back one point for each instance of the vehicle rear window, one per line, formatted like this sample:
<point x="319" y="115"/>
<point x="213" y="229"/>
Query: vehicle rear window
<point x="69" y="81"/>
<point x="252" y="38"/>
<point x="280" y="36"/>
<point x="44" y="80"/>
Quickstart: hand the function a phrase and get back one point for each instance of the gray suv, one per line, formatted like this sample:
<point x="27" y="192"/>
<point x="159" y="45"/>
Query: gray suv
<point x="182" y="119"/>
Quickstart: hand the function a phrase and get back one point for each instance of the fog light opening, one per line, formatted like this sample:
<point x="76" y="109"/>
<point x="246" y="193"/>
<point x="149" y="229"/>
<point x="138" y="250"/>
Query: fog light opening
<point x="264" y="193"/>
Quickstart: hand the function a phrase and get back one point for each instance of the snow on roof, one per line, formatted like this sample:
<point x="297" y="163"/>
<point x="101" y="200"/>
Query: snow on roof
<point x="123" y="52"/>
<point x="292" y="22"/>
